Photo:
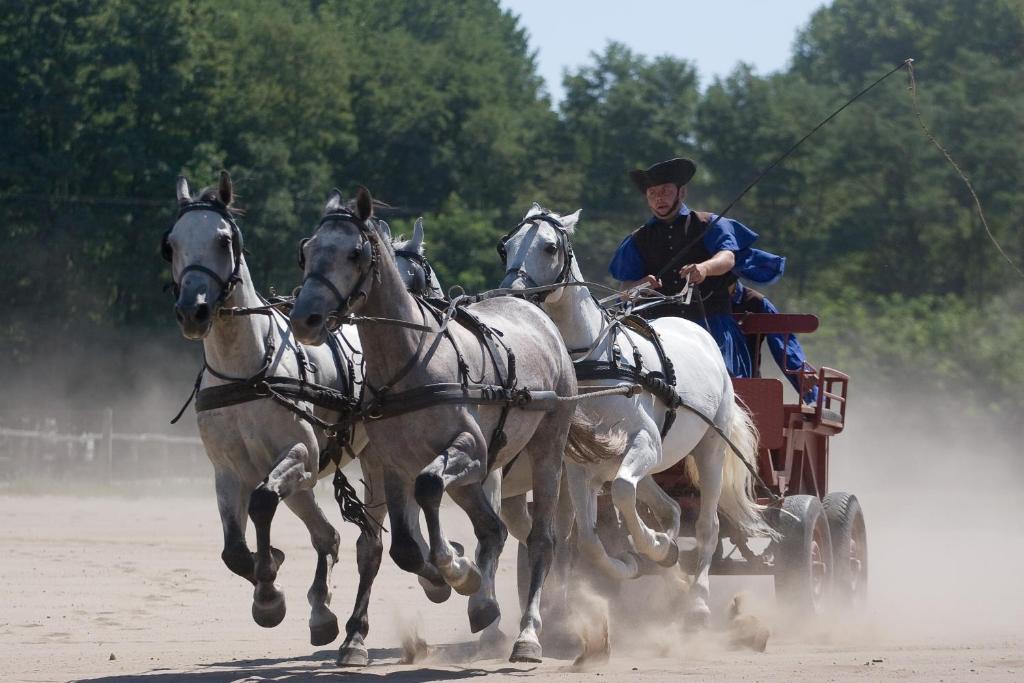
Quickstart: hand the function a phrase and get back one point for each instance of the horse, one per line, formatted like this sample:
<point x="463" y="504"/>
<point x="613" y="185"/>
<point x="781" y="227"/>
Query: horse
<point x="410" y="259"/>
<point x="506" y="488"/>
<point x="262" y="450"/>
<point x="538" y="253"/>
<point x="429" y="435"/>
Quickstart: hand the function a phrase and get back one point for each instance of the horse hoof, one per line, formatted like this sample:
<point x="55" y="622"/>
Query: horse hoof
<point x="672" y="557"/>
<point x="697" y="619"/>
<point x="483" y="615"/>
<point x="353" y="655"/>
<point x="526" y="651"/>
<point x="269" y="614"/>
<point x="471" y="583"/>
<point x="324" y="633"/>
<point x="436" y="593"/>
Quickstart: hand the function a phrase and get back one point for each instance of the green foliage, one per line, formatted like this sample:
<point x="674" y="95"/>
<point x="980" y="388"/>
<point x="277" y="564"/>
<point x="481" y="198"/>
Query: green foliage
<point x="438" y="108"/>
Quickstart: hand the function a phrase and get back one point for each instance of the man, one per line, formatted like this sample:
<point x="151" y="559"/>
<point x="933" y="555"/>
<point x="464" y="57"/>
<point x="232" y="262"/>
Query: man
<point x="785" y="348"/>
<point x="712" y="256"/>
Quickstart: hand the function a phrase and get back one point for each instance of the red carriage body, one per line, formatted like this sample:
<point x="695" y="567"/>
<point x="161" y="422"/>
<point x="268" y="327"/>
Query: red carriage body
<point x="822" y="549"/>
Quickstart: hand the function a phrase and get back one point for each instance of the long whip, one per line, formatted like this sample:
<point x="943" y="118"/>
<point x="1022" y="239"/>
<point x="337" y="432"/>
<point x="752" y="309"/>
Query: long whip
<point x="676" y="262"/>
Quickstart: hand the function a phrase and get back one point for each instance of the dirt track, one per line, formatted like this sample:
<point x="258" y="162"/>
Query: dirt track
<point x="140" y="579"/>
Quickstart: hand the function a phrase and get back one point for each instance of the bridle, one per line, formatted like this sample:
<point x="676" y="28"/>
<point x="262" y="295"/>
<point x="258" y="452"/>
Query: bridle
<point x="564" y="245"/>
<point x="237" y="247"/>
<point x="369" y="255"/>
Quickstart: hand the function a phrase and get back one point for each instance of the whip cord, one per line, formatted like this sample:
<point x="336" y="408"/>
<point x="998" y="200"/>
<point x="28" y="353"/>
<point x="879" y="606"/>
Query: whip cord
<point x="912" y="87"/>
<point x="673" y="264"/>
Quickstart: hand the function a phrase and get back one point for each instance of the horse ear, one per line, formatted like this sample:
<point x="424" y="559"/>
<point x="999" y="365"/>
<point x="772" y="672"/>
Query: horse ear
<point x="383" y="229"/>
<point x="536" y="208"/>
<point x="417" y="236"/>
<point x="334" y="201"/>
<point x="181" y="188"/>
<point x="570" y="221"/>
<point x="364" y="203"/>
<point x="225" y="190"/>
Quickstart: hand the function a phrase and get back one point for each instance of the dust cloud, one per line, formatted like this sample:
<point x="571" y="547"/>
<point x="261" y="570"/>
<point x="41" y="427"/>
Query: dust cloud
<point x="941" y="490"/>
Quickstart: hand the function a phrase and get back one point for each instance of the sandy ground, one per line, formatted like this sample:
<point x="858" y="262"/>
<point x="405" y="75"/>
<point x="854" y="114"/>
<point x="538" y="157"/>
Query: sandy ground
<point x="115" y="589"/>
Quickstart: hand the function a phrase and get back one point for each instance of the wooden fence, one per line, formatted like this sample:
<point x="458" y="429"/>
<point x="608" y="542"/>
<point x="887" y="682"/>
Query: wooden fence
<point x="52" y="449"/>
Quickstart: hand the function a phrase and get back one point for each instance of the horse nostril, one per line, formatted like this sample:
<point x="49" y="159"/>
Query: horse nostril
<point x="315" y="320"/>
<point x="202" y="313"/>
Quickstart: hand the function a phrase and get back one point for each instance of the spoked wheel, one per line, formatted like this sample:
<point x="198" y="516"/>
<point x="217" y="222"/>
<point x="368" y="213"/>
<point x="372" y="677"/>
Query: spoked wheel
<point x="849" y="549"/>
<point x="803" y="573"/>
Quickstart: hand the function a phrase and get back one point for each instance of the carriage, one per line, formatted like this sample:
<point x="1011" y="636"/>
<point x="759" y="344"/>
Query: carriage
<point x="821" y="552"/>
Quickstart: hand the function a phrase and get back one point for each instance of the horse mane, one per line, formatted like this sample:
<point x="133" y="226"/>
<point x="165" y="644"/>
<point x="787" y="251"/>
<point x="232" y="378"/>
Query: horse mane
<point x="211" y="195"/>
<point x="350" y="205"/>
<point x="401" y="243"/>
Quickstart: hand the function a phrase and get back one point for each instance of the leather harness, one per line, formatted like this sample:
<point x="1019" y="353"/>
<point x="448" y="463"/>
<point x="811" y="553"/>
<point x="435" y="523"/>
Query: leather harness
<point x="661" y="383"/>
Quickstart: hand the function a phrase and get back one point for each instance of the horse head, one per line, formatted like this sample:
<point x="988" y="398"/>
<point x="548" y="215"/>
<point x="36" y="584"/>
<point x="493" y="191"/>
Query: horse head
<point x="204" y="248"/>
<point x="538" y="252"/>
<point x="412" y="264"/>
<point x="340" y="264"/>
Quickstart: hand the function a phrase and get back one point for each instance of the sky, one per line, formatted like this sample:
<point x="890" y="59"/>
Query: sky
<point x="716" y="34"/>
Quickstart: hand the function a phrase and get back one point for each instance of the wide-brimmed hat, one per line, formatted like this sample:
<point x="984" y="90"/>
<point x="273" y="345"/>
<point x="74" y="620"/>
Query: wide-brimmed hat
<point x="677" y="171"/>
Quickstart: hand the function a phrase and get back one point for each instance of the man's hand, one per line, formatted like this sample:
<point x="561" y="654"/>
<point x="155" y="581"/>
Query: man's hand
<point x="697" y="272"/>
<point x="649" y="281"/>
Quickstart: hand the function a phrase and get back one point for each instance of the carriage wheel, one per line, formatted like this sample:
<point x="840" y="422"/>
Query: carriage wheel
<point x="803" y="566"/>
<point x="849" y="548"/>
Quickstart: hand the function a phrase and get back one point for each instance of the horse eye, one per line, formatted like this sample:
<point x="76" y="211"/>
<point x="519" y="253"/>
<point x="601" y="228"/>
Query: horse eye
<point x="551" y="248"/>
<point x="354" y="256"/>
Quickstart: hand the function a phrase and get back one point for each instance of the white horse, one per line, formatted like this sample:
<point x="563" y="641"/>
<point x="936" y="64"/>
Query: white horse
<point x="261" y="451"/>
<point x="537" y="253"/>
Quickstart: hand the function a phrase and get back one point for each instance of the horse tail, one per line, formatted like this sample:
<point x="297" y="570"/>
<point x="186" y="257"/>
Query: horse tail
<point x="738" y="501"/>
<point x="589" y="443"/>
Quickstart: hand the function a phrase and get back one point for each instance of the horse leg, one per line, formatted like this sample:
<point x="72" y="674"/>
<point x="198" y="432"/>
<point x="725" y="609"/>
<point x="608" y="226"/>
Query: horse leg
<point x="666" y="510"/>
<point x="515" y="514"/>
<point x="546" y="458"/>
<point x="456" y="466"/>
<point x="369" y="550"/>
<point x="323" y="624"/>
<point x="589" y="545"/>
<point x="709" y="455"/>
<point x="643" y="454"/>
<point x="408" y="549"/>
<point x="290" y="472"/>
<point x="232" y="500"/>
<point x="491" y="535"/>
<point x="512" y="508"/>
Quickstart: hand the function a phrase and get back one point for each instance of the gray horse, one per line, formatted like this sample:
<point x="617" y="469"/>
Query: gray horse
<point x="261" y="451"/>
<point x="438" y="448"/>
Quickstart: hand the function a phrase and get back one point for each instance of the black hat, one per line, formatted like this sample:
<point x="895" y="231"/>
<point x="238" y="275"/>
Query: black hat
<point x="678" y="171"/>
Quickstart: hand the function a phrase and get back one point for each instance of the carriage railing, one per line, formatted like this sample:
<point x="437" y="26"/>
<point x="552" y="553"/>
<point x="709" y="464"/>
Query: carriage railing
<point x="829" y="409"/>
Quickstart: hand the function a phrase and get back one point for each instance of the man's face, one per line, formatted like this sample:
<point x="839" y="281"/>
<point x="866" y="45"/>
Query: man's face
<point x="664" y="199"/>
